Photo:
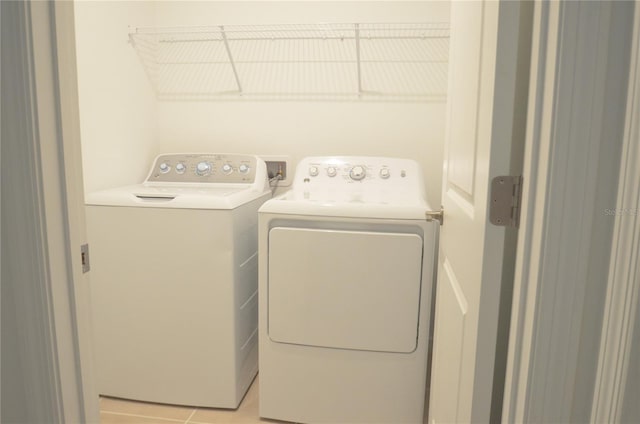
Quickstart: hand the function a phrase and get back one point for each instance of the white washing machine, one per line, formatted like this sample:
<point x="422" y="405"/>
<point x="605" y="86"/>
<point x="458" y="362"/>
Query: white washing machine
<point x="174" y="274"/>
<point x="345" y="287"/>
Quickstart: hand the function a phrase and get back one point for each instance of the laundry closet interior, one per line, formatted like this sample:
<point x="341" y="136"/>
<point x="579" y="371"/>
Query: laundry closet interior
<point x="281" y="80"/>
<point x="125" y="124"/>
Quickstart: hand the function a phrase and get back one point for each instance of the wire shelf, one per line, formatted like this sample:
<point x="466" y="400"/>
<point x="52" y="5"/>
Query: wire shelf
<point x="406" y="62"/>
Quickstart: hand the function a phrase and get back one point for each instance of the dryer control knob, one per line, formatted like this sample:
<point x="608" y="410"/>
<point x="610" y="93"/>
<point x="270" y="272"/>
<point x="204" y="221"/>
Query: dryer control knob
<point x="180" y="168"/>
<point x="313" y="171"/>
<point x="243" y="169"/>
<point x="357" y="172"/>
<point x="164" y="167"/>
<point x="227" y="169"/>
<point x="203" y="168"/>
<point x="384" y="173"/>
<point x="332" y="171"/>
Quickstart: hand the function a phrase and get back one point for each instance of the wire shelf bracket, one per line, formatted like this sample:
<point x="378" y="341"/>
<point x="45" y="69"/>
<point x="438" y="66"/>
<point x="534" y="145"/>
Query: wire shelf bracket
<point x="231" y="62"/>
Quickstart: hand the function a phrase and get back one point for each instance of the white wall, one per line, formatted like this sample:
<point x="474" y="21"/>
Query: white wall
<point x="123" y="127"/>
<point x="117" y="105"/>
<point x="304" y="128"/>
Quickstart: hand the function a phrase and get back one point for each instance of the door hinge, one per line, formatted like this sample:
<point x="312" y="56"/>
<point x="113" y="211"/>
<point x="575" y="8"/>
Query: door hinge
<point x="436" y="215"/>
<point x="506" y="194"/>
<point x="84" y="254"/>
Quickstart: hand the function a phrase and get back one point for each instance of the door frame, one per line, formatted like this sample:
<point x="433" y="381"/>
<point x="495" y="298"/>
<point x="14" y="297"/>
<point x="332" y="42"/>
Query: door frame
<point x="564" y="169"/>
<point x="473" y="288"/>
<point x="623" y="288"/>
<point x="528" y="335"/>
<point x="42" y="183"/>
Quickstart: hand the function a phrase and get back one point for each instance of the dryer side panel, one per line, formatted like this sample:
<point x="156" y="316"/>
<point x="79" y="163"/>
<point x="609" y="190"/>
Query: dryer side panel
<point x="344" y="289"/>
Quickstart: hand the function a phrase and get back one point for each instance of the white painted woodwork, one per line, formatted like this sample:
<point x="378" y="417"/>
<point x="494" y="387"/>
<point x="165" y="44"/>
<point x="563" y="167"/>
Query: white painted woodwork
<point x="450" y="340"/>
<point x="465" y="54"/>
<point x="30" y="381"/>
<point x="617" y="391"/>
<point x="43" y="229"/>
<point x="483" y="94"/>
<point x="56" y="244"/>
<point x="70" y="159"/>
<point x="574" y="137"/>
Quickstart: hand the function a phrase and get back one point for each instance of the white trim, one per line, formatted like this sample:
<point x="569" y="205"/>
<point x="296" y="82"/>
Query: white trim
<point x="70" y="160"/>
<point x="520" y="331"/>
<point x="43" y="223"/>
<point x="567" y="131"/>
<point x="624" y="270"/>
<point x="26" y="275"/>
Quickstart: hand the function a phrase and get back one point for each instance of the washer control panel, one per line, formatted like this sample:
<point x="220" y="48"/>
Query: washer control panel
<point x="203" y="168"/>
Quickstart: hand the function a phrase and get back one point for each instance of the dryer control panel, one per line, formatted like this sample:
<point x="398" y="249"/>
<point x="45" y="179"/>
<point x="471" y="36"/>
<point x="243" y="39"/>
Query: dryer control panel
<point x="206" y="168"/>
<point x="341" y="171"/>
<point x="357" y="179"/>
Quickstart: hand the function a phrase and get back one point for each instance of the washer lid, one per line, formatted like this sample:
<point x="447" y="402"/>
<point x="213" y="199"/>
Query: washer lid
<point x="181" y="197"/>
<point x="193" y="181"/>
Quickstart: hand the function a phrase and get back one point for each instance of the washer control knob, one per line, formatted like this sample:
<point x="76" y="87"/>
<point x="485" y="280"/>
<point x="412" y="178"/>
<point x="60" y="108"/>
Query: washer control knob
<point x="164" y="167"/>
<point x="180" y="168"/>
<point x="313" y="171"/>
<point x="203" y="168"/>
<point x="243" y="168"/>
<point x="227" y="169"/>
<point x="332" y="171"/>
<point x="357" y="172"/>
<point x="384" y="173"/>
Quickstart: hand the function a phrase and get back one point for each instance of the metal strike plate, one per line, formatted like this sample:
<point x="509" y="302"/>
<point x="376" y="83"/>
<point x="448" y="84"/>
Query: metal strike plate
<point x="505" y="200"/>
<point x="84" y="253"/>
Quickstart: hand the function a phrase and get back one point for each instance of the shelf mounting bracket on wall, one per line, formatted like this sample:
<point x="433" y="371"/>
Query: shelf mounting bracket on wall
<point x="231" y="61"/>
<point x="357" y="33"/>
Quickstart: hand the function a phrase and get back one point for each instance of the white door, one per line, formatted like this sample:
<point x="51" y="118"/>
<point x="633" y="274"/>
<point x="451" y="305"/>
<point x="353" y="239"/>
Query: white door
<point x="484" y="124"/>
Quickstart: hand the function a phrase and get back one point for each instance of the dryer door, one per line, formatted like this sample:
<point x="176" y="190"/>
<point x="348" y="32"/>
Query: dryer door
<point x="344" y="289"/>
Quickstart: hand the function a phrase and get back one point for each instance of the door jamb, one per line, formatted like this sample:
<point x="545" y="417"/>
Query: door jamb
<point x="548" y="297"/>
<point x="623" y="285"/>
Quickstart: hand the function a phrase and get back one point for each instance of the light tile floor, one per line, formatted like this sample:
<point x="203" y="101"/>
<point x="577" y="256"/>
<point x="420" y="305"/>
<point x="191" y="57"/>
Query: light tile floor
<point x="121" y="411"/>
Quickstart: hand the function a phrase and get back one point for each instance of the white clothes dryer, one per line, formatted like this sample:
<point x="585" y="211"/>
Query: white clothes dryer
<point x="345" y="287"/>
<point x="174" y="277"/>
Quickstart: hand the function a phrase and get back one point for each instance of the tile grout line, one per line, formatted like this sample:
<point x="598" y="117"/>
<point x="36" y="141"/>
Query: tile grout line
<point x="141" y="416"/>
<point x="191" y="416"/>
